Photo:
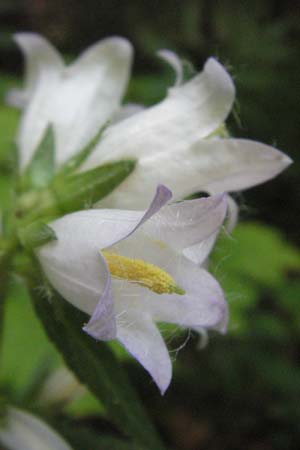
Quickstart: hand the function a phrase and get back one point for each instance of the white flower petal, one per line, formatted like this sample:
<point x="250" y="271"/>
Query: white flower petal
<point x="212" y="165"/>
<point x="78" y="100"/>
<point x="175" y="62"/>
<point x="235" y="164"/>
<point x="199" y="253"/>
<point x="126" y="111"/>
<point x="202" y="305"/>
<point x="233" y="214"/>
<point x="141" y="338"/>
<point x="184" y="224"/>
<point x="189" y="112"/>
<point x="75" y="267"/>
<point x="23" y="431"/>
<point x="39" y="56"/>
<point x="16" y="98"/>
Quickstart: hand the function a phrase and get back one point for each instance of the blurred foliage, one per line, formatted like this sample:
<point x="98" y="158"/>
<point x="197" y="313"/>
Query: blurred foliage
<point x="241" y="391"/>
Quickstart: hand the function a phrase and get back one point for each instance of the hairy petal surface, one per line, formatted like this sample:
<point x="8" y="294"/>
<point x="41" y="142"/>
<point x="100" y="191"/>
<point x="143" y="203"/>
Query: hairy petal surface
<point x="74" y="264"/>
<point x="201" y="305"/>
<point x="145" y="248"/>
<point x="183" y="224"/>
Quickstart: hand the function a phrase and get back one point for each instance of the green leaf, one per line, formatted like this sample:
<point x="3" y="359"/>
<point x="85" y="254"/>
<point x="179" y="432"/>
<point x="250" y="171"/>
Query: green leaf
<point x="41" y="168"/>
<point x="257" y="253"/>
<point x="96" y="366"/>
<point x="26" y="346"/>
<point x="79" y="191"/>
<point x="82" y="438"/>
<point x="72" y="193"/>
<point x="75" y="161"/>
<point x="253" y="262"/>
<point x="36" y="234"/>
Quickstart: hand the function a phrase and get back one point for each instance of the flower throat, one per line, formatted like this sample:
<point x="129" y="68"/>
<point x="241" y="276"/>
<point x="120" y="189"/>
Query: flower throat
<point x="141" y="272"/>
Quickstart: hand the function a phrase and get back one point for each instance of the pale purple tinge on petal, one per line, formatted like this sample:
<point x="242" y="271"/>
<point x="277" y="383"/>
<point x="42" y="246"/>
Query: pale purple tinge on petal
<point x="97" y="325"/>
<point x="102" y="324"/>
<point x="190" y="222"/>
<point x="202" y="305"/>
<point x="198" y="253"/>
<point x="77" y="99"/>
<point x="74" y="264"/>
<point x="125" y="309"/>
<point x="20" y="430"/>
<point x="140" y="336"/>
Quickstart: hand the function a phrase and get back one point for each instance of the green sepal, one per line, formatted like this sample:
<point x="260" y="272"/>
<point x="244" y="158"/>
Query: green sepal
<point x="36" y="234"/>
<point x="82" y="190"/>
<point x="40" y="170"/>
<point x="75" y="161"/>
<point x="96" y="366"/>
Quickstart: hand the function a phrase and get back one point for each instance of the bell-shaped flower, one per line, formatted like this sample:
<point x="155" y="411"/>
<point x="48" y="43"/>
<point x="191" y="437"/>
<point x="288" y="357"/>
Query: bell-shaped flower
<point x="77" y="99"/>
<point x="20" y="430"/>
<point x="176" y="143"/>
<point x="131" y="269"/>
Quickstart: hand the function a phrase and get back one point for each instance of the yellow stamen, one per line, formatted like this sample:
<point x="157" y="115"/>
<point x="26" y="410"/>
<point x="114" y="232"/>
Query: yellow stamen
<point x="141" y="272"/>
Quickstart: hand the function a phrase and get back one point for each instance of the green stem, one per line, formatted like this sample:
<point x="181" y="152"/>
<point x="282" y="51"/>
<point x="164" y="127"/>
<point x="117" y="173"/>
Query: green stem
<point x="4" y="278"/>
<point x="96" y="366"/>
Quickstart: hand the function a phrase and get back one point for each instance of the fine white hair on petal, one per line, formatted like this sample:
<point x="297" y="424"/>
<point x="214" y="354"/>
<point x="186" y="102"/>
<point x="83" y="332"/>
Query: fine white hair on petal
<point x="75" y="266"/>
<point x="23" y="431"/>
<point x="175" y="62"/>
<point x="123" y="308"/>
<point x="184" y="224"/>
<point x="198" y="253"/>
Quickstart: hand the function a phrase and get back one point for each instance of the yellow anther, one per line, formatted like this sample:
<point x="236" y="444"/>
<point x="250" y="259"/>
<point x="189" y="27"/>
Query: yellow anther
<point x="141" y="272"/>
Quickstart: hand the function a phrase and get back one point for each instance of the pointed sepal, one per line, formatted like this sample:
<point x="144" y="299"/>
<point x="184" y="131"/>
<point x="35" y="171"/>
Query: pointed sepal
<point x="84" y="189"/>
<point x="75" y="161"/>
<point x="35" y="235"/>
<point x="40" y="170"/>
